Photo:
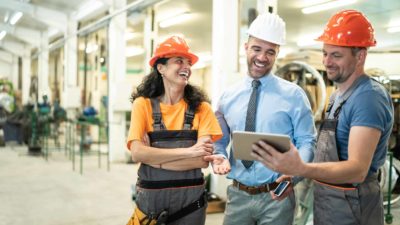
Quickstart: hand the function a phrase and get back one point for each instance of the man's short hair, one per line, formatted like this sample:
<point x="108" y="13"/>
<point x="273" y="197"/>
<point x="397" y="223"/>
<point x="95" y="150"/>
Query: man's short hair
<point x="355" y="50"/>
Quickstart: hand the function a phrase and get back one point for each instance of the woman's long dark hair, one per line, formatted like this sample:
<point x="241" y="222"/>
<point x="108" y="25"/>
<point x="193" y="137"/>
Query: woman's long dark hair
<point x="152" y="86"/>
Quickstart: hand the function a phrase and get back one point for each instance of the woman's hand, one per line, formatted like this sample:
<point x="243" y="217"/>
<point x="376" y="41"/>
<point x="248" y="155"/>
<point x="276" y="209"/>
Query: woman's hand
<point x="203" y="147"/>
<point x="146" y="140"/>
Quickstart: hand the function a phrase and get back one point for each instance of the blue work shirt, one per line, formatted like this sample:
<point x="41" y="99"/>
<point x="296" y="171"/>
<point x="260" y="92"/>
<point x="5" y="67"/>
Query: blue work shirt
<point x="370" y="105"/>
<point x="282" y="108"/>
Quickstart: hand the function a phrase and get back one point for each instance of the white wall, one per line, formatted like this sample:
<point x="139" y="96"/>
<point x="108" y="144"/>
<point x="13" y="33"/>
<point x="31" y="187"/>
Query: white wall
<point x="5" y="70"/>
<point x="388" y="62"/>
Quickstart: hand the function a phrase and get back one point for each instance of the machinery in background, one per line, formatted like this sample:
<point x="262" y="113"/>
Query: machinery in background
<point x="35" y="124"/>
<point x="7" y="97"/>
<point x="40" y="119"/>
<point x="395" y="137"/>
<point x="305" y="68"/>
<point x="59" y="116"/>
<point x="7" y="107"/>
<point x="380" y="76"/>
<point x="393" y="86"/>
<point x="394" y="143"/>
<point x="310" y="80"/>
<point x="89" y="116"/>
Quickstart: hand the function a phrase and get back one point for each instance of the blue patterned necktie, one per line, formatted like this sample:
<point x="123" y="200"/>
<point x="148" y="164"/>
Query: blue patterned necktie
<point x="251" y="115"/>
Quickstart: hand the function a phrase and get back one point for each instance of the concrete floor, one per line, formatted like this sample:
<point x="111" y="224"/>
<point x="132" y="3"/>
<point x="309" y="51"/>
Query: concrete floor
<point x="38" y="192"/>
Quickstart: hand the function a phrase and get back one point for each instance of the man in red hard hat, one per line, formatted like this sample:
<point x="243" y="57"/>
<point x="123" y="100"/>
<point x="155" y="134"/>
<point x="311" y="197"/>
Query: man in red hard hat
<point x="353" y="139"/>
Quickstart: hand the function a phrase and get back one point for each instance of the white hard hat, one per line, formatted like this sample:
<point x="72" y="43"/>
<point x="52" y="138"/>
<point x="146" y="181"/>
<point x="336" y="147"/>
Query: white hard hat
<point x="268" y="27"/>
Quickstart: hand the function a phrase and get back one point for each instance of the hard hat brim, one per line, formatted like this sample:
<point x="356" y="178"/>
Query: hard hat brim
<point x="336" y="43"/>
<point x="192" y="57"/>
<point x="280" y="43"/>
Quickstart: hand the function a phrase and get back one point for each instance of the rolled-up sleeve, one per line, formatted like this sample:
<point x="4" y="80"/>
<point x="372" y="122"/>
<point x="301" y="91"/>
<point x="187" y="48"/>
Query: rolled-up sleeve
<point x="304" y="129"/>
<point x="221" y="144"/>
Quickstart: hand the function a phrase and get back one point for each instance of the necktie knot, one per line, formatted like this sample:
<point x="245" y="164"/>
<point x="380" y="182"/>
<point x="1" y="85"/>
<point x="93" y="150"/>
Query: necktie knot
<point x="255" y="84"/>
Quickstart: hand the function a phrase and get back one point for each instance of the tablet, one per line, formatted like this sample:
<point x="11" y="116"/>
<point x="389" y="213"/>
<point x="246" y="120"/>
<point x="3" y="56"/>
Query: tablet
<point x="243" y="140"/>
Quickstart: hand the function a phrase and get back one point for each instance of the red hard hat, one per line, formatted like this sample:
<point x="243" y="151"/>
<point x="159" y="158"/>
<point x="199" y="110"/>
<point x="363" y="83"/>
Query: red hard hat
<point x="173" y="46"/>
<point x="348" y="28"/>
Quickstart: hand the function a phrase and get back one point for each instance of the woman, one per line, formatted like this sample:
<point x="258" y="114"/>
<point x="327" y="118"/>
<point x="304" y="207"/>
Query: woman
<point x="172" y="133"/>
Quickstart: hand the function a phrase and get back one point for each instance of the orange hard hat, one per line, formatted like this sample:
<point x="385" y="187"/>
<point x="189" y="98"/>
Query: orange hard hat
<point x="173" y="46"/>
<point x="348" y="28"/>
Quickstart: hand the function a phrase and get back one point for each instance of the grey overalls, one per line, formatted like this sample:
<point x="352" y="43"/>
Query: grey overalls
<point x="343" y="204"/>
<point x="180" y="194"/>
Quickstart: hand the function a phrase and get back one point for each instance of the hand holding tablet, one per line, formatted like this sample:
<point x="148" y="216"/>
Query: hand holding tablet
<point x="243" y="140"/>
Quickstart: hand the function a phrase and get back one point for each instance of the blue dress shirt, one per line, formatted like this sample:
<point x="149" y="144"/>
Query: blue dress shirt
<point x="282" y="108"/>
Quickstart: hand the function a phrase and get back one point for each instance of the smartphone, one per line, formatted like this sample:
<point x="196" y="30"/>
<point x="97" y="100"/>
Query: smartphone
<point x="282" y="186"/>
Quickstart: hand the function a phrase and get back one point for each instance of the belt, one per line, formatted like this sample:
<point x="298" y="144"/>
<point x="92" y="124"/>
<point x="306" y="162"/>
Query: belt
<point x="253" y="190"/>
<point x="146" y="184"/>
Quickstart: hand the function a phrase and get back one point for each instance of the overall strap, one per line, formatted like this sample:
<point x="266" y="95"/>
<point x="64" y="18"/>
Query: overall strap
<point x="331" y="103"/>
<point x="345" y="96"/>
<point x="189" y="116"/>
<point x="158" y="124"/>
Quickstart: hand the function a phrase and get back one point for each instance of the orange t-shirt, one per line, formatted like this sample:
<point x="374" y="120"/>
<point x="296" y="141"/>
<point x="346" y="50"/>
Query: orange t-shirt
<point x="204" y="120"/>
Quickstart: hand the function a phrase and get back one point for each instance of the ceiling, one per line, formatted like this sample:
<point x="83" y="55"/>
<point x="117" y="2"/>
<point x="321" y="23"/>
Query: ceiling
<point x="44" y="14"/>
<point x="381" y="14"/>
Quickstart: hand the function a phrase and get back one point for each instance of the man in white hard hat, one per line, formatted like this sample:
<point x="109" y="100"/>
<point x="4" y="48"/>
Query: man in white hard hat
<point x="271" y="105"/>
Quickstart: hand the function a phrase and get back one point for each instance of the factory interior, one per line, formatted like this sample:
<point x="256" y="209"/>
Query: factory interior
<point x="68" y="69"/>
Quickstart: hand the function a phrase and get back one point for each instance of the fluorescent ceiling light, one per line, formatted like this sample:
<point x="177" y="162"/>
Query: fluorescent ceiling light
<point x="175" y="19"/>
<point x="15" y="17"/>
<point x="2" y="34"/>
<point x="393" y="29"/>
<point x="6" y="17"/>
<point x="327" y="5"/>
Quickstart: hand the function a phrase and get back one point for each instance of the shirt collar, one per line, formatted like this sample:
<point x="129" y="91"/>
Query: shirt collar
<point x="264" y="80"/>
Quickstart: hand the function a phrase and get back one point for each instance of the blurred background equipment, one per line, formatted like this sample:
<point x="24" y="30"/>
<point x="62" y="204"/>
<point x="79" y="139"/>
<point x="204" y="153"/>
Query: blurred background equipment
<point x="7" y="107"/>
<point x="380" y="76"/>
<point x="310" y="80"/>
<point x="40" y="119"/>
<point x="88" y="116"/>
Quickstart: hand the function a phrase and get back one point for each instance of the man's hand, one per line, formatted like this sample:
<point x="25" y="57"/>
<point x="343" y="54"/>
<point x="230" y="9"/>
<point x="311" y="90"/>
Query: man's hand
<point x="220" y="165"/>
<point x="285" y="163"/>
<point x="287" y="191"/>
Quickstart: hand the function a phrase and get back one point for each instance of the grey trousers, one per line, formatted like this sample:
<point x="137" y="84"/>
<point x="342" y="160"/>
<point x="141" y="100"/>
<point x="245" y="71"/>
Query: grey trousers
<point x="362" y="206"/>
<point x="260" y="209"/>
<point x="172" y="199"/>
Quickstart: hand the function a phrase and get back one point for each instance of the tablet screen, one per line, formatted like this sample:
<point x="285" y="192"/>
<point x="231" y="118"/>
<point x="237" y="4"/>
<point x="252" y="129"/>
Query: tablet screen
<point x="243" y="140"/>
